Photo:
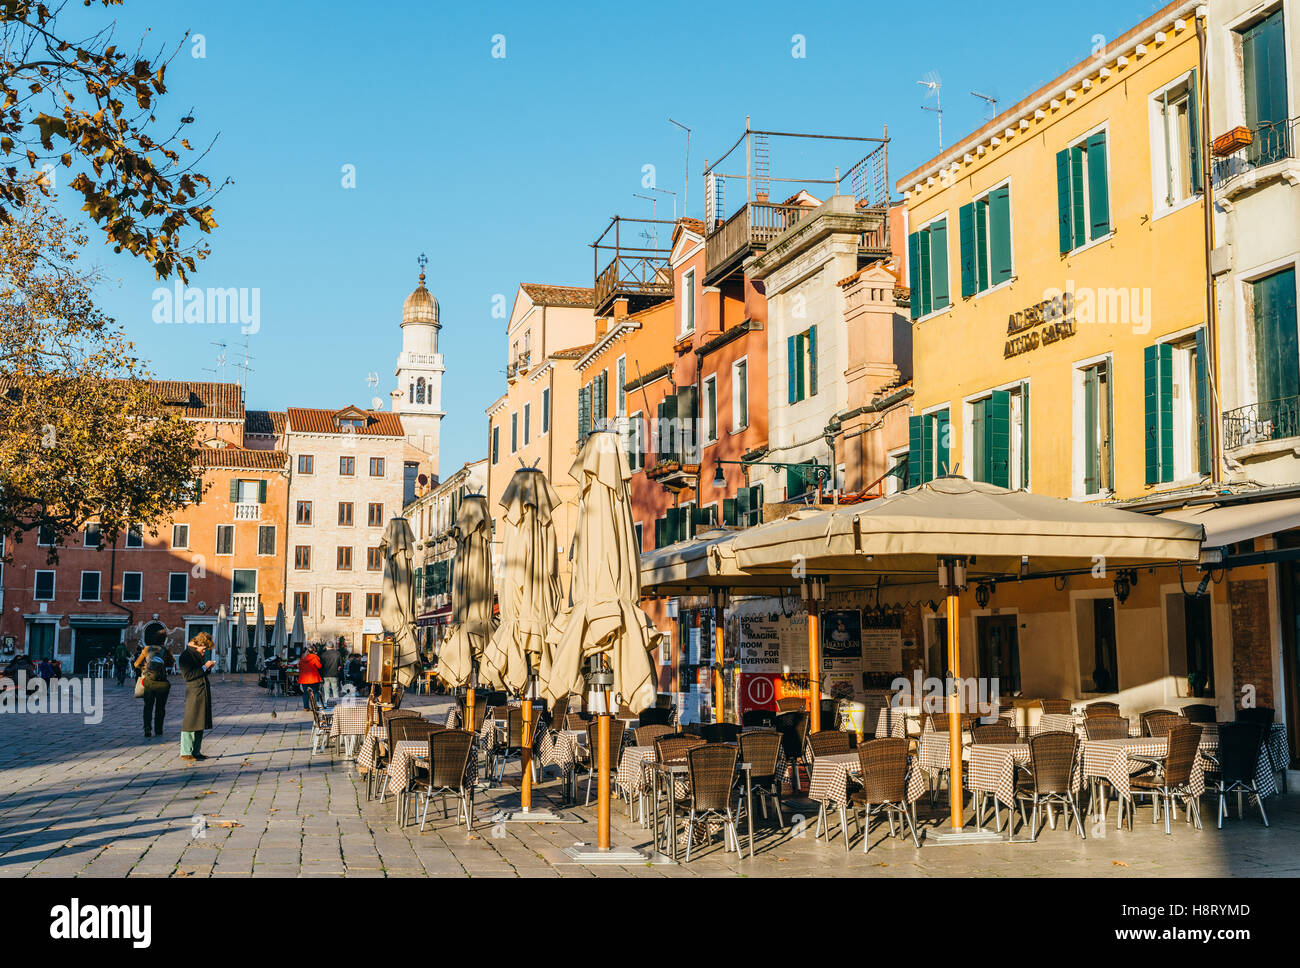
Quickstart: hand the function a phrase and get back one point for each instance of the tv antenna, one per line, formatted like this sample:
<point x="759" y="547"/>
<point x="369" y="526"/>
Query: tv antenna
<point x="218" y="369"/>
<point x="651" y="236"/>
<point x="686" y="190"/>
<point x="667" y="191"/>
<point x="989" y="100"/>
<point x="243" y="365"/>
<point x="934" y="87"/>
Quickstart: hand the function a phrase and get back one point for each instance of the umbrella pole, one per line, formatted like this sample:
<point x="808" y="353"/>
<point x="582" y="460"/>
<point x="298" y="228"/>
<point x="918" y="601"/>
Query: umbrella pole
<point x="469" y="709"/>
<point x="954" y="711"/>
<point x="814" y="666"/>
<point x="526" y="755"/>
<point x="602" y="778"/>
<point x="719" y="705"/>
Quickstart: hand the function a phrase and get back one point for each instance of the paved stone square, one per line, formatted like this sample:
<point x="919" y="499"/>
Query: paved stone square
<point x="101" y="801"/>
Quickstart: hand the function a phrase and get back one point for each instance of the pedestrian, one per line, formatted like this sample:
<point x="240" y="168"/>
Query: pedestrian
<point x="331" y="667"/>
<point x="198" y="697"/>
<point x="120" y="661"/>
<point x="149" y="663"/>
<point x="309" y="677"/>
<point x="45" y="670"/>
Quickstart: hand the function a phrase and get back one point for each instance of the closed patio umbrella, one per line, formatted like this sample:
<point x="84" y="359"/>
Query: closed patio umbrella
<point x="277" y="632"/>
<point x="471" y="594"/>
<point x="222" y="643"/>
<point x="259" y="636"/>
<point x="397" y="598"/>
<point x="297" y="636"/>
<point x="960" y="529"/>
<point x="241" y="641"/>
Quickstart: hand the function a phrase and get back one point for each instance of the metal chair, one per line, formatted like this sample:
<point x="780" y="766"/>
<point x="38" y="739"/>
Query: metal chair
<point x="1158" y="722"/>
<point x="512" y="746"/>
<point x="883" y="763"/>
<point x="407" y="729"/>
<point x="449" y="753"/>
<point x="712" y="772"/>
<point x="1200" y="713"/>
<point x="1051" y="779"/>
<point x="1237" y="760"/>
<point x="1100" y="709"/>
<point x="320" y="725"/>
<point x="1174" y="780"/>
<point x="830" y="742"/>
<point x="1265" y="717"/>
<point x="646" y="735"/>
<point x="761" y="749"/>
<point x="793" y="727"/>
<point x="1055" y="707"/>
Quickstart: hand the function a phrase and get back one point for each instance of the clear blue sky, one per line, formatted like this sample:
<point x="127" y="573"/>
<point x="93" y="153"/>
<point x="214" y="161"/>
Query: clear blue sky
<point x="504" y="170"/>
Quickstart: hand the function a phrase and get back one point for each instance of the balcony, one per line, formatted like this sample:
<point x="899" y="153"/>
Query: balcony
<point x="1260" y="423"/>
<point x="246" y="601"/>
<point x="746" y="233"/>
<point x="1239" y="168"/>
<point x="632" y="264"/>
<point x="248" y="512"/>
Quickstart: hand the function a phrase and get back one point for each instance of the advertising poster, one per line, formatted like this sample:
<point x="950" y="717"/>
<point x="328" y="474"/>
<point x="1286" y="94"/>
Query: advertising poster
<point x="694" y="647"/>
<point x="760" y="646"/>
<point x="793" y="639"/>
<point x="840" y="685"/>
<point x="842" y="636"/>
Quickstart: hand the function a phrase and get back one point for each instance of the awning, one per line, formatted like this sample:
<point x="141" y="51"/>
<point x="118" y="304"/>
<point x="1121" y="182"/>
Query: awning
<point x="1229" y="523"/>
<point x="97" y="621"/>
<point x="439" y="616"/>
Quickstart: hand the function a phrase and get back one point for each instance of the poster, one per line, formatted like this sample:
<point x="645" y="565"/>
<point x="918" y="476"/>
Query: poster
<point x="840" y="685"/>
<point x="792" y="637"/>
<point x="757" y="691"/>
<point x="882" y="650"/>
<point x="693" y="656"/>
<point x="760" y="647"/>
<point x="842" y="636"/>
<point x="666" y="649"/>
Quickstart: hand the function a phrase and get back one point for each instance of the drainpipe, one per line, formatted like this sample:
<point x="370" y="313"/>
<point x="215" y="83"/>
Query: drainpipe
<point x="112" y="573"/>
<point x="1211" y="304"/>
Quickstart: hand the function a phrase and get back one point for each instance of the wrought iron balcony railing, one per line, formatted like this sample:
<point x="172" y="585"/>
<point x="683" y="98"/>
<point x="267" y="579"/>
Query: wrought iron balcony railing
<point x="1271" y="142"/>
<point x="1259" y="422"/>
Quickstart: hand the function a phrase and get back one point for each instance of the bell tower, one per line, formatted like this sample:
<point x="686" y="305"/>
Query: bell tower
<point x="418" y="397"/>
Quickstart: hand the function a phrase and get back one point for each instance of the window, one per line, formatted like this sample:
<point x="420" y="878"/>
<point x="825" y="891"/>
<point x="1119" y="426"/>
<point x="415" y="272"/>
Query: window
<point x="896" y="479"/>
<point x="90" y="586"/>
<point x="1098" y="664"/>
<point x="1096" y="472"/>
<point x="306" y="464"/>
<point x="1082" y="192"/>
<point x="739" y="395"/>
<point x="375" y="515"/>
<point x="985" y="227"/>
<point x="178" y="586"/>
<point x="929" y="446"/>
<point x="376" y="467"/>
<point x="301" y="601"/>
<point x="347" y="466"/>
<point x="710" y="408"/>
<point x="1191" y="642"/>
<point x="243" y="581"/>
<point x="43" y="589"/>
<point x="343" y="558"/>
<point x="93" y="536"/>
<point x="45" y="536"/>
<point x="745" y="509"/>
<point x="998" y="651"/>
<point x="801" y="357"/>
<point x="496" y="444"/>
<point x="546" y="411"/>
<point x="593" y="405"/>
<point x="1175" y="143"/>
<point x="134" y="537"/>
<point x="1272" y="307"/>
<point x="687" y="321"/>
<point x="342" y="604"/>
<point x="927" y="268"/>
<point x="180" y="535"/>
<point x="225" y="539"/>
<point x="132" y="586"/>
<point x="345" y="513"/>
<point x="248" y="492"/>
<point x="372" y="603"/>
<point x="302" y="557"/>
<point x="528" y="410"/>
<point x="514" y="432"/>
<point x="1263" y="81"/>
<point x="620" y="394"/>
<point x="640" y="538"/>
<point x="303" y="512"/>
<point x="1175" y="394"/>
<point x="998" y="436"/>
<point x="374" y="560"/>
<point x="266" y="539"/>
<point x="635" y="442"/>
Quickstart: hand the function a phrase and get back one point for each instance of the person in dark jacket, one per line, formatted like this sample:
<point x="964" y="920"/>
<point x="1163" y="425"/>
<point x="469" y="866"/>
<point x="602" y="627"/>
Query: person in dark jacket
<point x="149" y="664"/>
<point x="198" y="696"/>
<point x="331" y="669"/>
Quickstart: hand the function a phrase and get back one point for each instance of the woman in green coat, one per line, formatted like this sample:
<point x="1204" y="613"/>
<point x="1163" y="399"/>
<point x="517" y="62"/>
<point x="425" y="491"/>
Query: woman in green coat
<point x="198" y="697"/>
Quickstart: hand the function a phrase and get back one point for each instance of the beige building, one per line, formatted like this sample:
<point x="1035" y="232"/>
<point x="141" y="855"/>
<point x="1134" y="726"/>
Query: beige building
<point x="535" y="422"/>
<point x="431" y="516"/>
<point x="346" y="482"/>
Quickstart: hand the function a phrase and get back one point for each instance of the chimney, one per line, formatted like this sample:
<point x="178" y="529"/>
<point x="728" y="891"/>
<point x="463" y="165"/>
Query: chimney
<point x="602" y="327"/>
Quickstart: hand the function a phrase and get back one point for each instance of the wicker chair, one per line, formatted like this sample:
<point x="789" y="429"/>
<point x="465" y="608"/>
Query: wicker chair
<point x="1257" y="714"/>
<point x="320" y="724"/>
<point x="1106" y="727"/>
<point x="576" y="721"/>
<point x="555" y="715"/>
<point x="1265" y="717"/>
<point x="883" y="763"/>
<point x="1240" y="747"/>
<point x="1174" y="780"/>
<point x="406" y="729"/>
<point x="655" y="716"/>
<point x="512" y="746"/>
<point x="720" y="732"/>
<point x="646" y="735"/>
<point x="380" y="773"/>
<point x="449" y="753"/>
<point x="791" y="704"/>
<point x="761" y="748"/>
<point x="829" y="742"/>
<point x="1055" y="707"/>
<point x="793" y="727"/>
<point x="1158" y="722"/>
<point x="1200" y="713"/>
<point x="711" y="768"/>
<point x="994" y="733"/>
<point x="1100" y="709"/>
<point x="1052" y="760"/>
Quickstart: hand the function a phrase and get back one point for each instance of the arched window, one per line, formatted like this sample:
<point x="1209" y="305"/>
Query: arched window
<point x="411" y="396"/>
<point x="419" y="390"/>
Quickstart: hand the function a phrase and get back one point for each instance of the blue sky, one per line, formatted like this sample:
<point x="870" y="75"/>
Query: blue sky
<point x="504" y="170"/>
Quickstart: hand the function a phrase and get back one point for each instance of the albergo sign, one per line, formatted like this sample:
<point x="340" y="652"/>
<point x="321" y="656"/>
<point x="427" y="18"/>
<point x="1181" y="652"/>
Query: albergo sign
<point x="1049" y="321"/>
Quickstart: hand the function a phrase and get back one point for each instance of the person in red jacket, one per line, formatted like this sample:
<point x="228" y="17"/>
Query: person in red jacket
<point x="309" y="677"/>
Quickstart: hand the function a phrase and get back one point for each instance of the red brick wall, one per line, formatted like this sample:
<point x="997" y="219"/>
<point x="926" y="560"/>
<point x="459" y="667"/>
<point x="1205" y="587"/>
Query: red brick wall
<point x="1252" y="653"/>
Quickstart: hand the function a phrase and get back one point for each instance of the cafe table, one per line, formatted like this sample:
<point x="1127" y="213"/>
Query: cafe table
<point x="406" y="756"/>
<point x="829" y="786"/>
<point x="349" y="722"/>
<point x="676" y="771"/>
<point x="558" y="748"/>
<point x="1113" y="761"/>
<point x="991" y="770"/>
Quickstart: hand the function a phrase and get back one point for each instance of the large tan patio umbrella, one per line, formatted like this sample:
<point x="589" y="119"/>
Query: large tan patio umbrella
<point x="603" y="617"/>
<point x="397" y="598"/>
<point x="958" y="529"/>
<point x="471" y="597"/>
<point x="529" y="597"/>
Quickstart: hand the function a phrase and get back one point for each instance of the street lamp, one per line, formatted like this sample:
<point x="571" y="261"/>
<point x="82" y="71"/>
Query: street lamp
<point x="822" y="471"/>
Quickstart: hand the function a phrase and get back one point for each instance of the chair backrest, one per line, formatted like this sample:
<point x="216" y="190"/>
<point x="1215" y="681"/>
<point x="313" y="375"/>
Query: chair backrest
<point x="1150" y="714"/>
<point x="712" y="769"/>
<point x="791" y="704"/>
<point x="994" y="733"/>
<point x="757" y="717"/>
<point x="407" y="728"/>
<point x="761" y="748"/>
<point x="719" y="732"/>
<point x="645" y="735"/>
<point x="830" y="714"/>
<point x="828" y="742"/>
<point x="559" y="711"/>
<point x="1055" y="707"/>
<point x="655" y="716"/>
<point x="1052" y="756"/>
<point x="448" y="756"/>
<point x="1106" y="727"/>
<point x="1160" y="723"/>
<point x="514" y="726"/>
<point x="793" y="728"/>
<point x="1239" y="747"/>
<point x="884" y="769"/>
<point x="391" y="714"/>
<point x="1259" y="714"/>
<point x="1100" y="709"/>
<point x="1200" y="713"/>
<point x="480" y="713"/>
<point x="576" y="721"/>
<point x="672" y="748"/>
<point x="1183" y="740"/>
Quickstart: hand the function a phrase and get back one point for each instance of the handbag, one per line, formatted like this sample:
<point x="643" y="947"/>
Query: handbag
<point x="139" y="688"/>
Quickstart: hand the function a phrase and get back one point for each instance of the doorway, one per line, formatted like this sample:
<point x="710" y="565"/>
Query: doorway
<point x="93" y="644"/>
<point x="998" y="651"/>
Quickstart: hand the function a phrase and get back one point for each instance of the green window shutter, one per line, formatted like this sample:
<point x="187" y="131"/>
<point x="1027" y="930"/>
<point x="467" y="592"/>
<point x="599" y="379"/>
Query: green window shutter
<point x="792" y="353"/>
<point x="966" y="233"/>
<point x="914" y="450"/>
<point x="997" y="429"/>
<point x="1166" y="352"/>
<point x="1079" y="219"/>
<point x="1098" y="186"/>
<point x="234" y="491"/>
<point x="793" y="481"/>
<point x="982" y="244"/>
<point x="1151" y="411"/>
<point x="1202" y="405"/>
<point x="924" y="275"/>
<point x="1194" y="129"/>
<point x="1108" y="425"/>
<point x="1063" y="196"/>
<point x="939" y="264"/>
<point x="742" y="507"/>
<point x="1090" y="435"/>
<point x="729" y="511"/>
<point x="584" y="413"/>
<point x="1024" y="435"/>
<point x="812" y="360"/>
<point x="913" y="273"/>
<point x="755" y="503"/>
<point x="1000" y="234"/>
<point x="800" y="365"/>
<point x="939" y="453"/>
<point x="261" y="492"/>
<point x="980" y="470"/>
<point x="659" y="532"/>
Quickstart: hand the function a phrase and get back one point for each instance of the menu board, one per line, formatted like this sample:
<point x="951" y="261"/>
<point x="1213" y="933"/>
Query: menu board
<point x="882" y="650"/>
<point x="694" y="646"/>
<point x="792" y="636"/>
<point x="760" y="645"/>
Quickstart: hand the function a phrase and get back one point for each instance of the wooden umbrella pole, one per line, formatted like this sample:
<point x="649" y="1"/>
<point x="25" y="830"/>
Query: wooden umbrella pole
<point x="469" y="709"/>
<point x="814" y="666"/>
<point x="719" y="705"/>
<point x="954" y="710"/>
<point x="602" y="778"/>
<point x="526" y="755"/>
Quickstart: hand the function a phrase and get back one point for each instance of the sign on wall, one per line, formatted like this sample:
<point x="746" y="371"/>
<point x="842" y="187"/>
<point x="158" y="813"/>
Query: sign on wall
<point x="760" y="645"/>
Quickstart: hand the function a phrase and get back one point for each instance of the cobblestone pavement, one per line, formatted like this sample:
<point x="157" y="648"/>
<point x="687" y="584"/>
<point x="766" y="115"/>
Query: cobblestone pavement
<point x="101" y="801"/>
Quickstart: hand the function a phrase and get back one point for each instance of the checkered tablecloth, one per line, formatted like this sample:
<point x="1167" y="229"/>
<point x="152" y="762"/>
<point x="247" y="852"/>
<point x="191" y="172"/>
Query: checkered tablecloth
<point x="891" y="723"/>
<point x="1054" y="723"/>
<point x="453" y="718"/>
<point x="633" y="777"/>
<point x="991" y="768"/>
<point x="349" y="720"/>
<point x="830" y="778"/>
<point x="558" y="748"/>
<point x="407" y="755"/>
<point x="1111" y="759"/>
<point x="933" y="754"/>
